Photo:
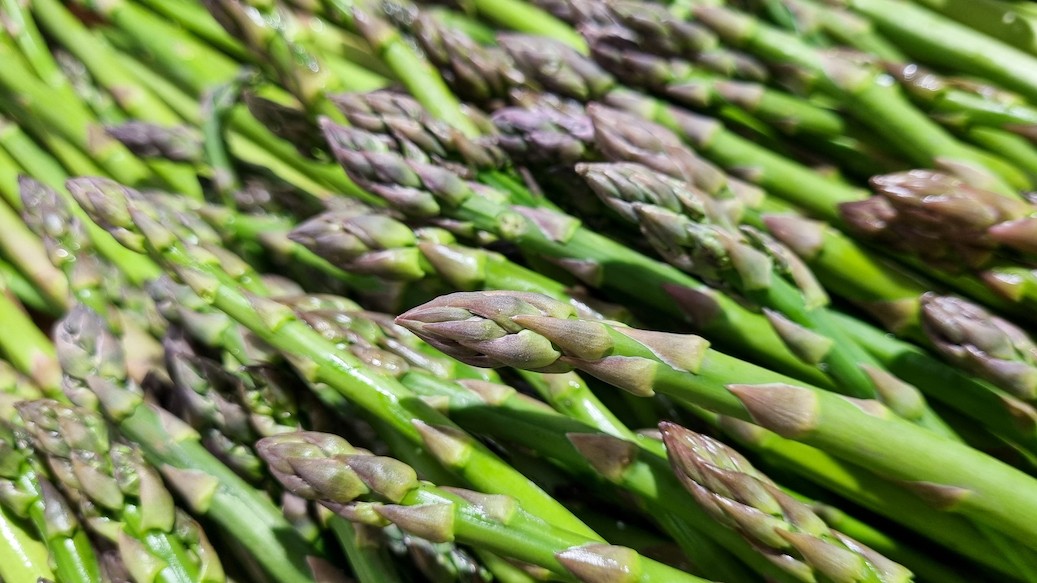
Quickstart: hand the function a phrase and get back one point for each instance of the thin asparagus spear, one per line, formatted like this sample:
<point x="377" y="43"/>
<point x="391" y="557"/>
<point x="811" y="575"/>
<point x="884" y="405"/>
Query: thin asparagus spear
<point x="446" y="514"/>
<point x="976" y="103"/>
<point x="29" y="495"/>
<point x="689" y="231"/>
<point x="25" y="557"/>
<point x="22" y="289"/>
<point x="1007" y="21"/>
<point x="421" y="190"/>
<point x="22" y="248"/>
<point x="585" y="81"/>
<point x="858" y="87"/>
<point x="945" y="42"/>
<point x="26" y="347"/>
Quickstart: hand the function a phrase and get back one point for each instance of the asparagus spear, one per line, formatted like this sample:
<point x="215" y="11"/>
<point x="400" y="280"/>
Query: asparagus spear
<point x="474" y="72"/>
<point x="57" y="543"/>
<point x="686" y="84"/>
<point x="206" y="485"/>
<point x="26" y="557"/>
<point x="484" y="407"/>
<point x="686" y="228"/>
<point x="25" y="346"/>
<point x="68" y="118"/>
<point x="976" y="230"/>
<point x="644" y="362"/>
<point x="491" y="521"/>
<point x="981" y="343"/>
<point x="584" y="81"/>
<point x="24" y="250"/>
<point x="740" y="497"/>
<point x="28" y="494"/>
<point x="417" y="135"/>
<point x="1010" y="22"/>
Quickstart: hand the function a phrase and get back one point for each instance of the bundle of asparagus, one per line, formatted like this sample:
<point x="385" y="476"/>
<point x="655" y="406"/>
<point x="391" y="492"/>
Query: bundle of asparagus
<point x="337" y="291"/>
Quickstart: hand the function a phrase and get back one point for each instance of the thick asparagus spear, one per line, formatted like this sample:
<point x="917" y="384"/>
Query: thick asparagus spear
<point x="28" y="494"/>
<point x="645" y="362"/>
<point x="859" y="88"/>
<point x="942" y="41"/>
<point x="687" y="228"/>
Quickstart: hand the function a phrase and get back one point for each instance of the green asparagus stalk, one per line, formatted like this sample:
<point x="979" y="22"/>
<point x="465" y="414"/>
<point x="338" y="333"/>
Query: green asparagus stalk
<point x="583" y="80"/>
<point x="248" y="133"/>
<point x="973" y="103"/>
<point x="686" y="84"/>
<point x="977" y="226"/>
<point x="686" y="228"/>
<point x="498" y="411"/>
<point x="69" y="119"/>
<point x="24" y="250"/>
<point x="737" y="495"/>
<point x="30" y="503"/>
<point x="26" y="557"/>
<point x="982" y="343"/>
<point x="376" y="244"/>
<point x="25" y="346"/>
<point x="475" y="73"/>
<point x="22" y="289"/>
<point x="491" y="521"/>
<point x="27" y="494"/>
<point x="1010" y="22"/>
<point x="645" y="362"/>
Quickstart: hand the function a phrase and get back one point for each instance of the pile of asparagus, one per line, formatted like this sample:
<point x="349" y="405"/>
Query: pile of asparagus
<point x="600" y="291"/>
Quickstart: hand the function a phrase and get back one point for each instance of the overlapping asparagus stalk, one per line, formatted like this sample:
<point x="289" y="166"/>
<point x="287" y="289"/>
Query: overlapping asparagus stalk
<point x="536" y="333"/>
<point x="278" y="326"/>
<point x="422" y="190"/>
<point x="121" y="495"/>
<point x="207" y="487"/>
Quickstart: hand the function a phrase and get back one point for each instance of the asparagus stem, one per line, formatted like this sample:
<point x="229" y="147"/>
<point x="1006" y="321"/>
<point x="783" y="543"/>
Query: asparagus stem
<point x="945" y="42"/>
<point x="25" y="557"/>
<point x="593" y="258"/>
<point x="25" y="346"/>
